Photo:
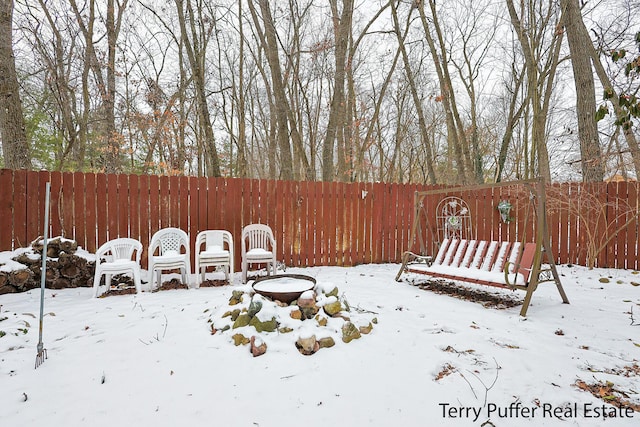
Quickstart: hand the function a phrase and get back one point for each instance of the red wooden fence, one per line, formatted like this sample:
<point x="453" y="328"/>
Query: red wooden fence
<point x="315" y="223"/>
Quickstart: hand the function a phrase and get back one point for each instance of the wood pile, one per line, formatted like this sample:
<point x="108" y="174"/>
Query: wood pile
<point x="65" y="269"/>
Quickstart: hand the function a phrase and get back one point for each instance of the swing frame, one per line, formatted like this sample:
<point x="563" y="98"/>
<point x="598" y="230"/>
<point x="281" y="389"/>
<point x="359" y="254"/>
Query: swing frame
<point x="543" y="266"/>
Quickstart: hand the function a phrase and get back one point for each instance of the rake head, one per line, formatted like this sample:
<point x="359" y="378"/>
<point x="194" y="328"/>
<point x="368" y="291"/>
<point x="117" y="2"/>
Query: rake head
<point x="41" y="356"/>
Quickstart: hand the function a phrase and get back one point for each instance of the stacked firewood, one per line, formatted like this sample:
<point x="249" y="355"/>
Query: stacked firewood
<point x="65" y="269"/>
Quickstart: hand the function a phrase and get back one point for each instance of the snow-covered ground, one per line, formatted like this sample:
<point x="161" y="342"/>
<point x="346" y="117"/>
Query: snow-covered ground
<point x="151" y="360"/>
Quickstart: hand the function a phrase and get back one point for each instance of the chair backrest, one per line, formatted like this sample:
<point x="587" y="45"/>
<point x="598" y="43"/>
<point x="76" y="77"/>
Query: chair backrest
<point x="119" y="249"/>
<point x="169" y="239"/>
<point x="258" y="236"/>
<point x="214" y="238"/>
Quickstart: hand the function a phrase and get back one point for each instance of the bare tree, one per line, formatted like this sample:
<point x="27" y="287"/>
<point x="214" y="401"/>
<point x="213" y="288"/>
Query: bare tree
<point x="268" y="38"/>
<point x="455" y="132"/>
<point x="342" y="32"/>
<point x="196" y="27"/>
<point x="105" y="75"/>
<point x="417" y="100"/>
<point x="535" y="25"/>
<point x="15" y="148"/>
<point x="579" y="44"/>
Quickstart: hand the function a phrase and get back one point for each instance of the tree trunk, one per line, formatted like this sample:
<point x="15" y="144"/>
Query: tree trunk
<point x="579" y="46"/>
<point x="270" y="44"/>
<point x="414" y="91"/>
<point x="15" y="148"/>
<point x="539" y="87"/>
<point x="447" y="102"/>
<point x="195" y="55"/>
<point x="341" y="31"/>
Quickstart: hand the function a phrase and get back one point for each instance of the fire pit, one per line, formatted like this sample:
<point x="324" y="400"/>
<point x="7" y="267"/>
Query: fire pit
<point x="283" y="287"/>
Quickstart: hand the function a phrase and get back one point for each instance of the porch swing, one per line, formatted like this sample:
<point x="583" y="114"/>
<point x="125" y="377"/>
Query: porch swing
<point x="508" y="264"/>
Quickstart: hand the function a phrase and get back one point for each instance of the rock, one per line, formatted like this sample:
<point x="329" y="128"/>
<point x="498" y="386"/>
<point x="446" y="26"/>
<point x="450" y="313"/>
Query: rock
<point x="332" y="308"/>
<point x="374" y="320"/>
<point x="342" y="315"/>
<point x="333" y="293"/>
<point x="254" y="308"/>
<point x="307" y="299"/>
<point x="326" y="342"/>
<point x="307" y="346"/>
<point x="296" y="314"/>
<point x="233" y="314"/>
<point x="349" y="332"/>
<point x="285" y="330"/>
<point x="258" y="349"/>
<point x="307" y="305"/>
<point x="366" y="329"/>
<point x="242" y="320"/>
<point x="236" y="297"/>
<point x="309" y="312"/>
<point x="239" y="339"/>
<point x="266" y="326"/>
<point x="322" y="321"/>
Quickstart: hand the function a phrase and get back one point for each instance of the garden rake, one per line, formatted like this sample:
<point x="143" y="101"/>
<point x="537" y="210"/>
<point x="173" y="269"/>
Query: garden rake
<point x="42" y="352"/>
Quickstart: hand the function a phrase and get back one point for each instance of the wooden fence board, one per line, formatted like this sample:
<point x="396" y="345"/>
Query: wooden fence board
<point x="184" y="206"/>
<point x="101" y="208"/>
<point x="617" y="199"/>
<point x="124" y="201"/>
<point x="154" y="205"/>
<point x="341" y="231"/>
<point x="319" y="223"/>
<point x="164" y="202"/>
<point x="79" y="209"/>
<point x="66" y="206"/>
<point x="55" y="200"/>
<point x="134" y="207"/>
<point x="632" y="253"/>
<point x="91" y="218"/>
<point x="20" y="208"/>
<point x="35" y="208"/>
<point x="200" y="207"/>
<point x="7" y="237"/>
<point x="329" y="200"/>
<point x="144" y="210"/>
<point x="303" y="207"/>
<point x="112" y="206"/>
<point x="289" y="219"/>
<point x="368" y="215"/>
<point x="43" y="178"/>
<point x="296" y="200"/>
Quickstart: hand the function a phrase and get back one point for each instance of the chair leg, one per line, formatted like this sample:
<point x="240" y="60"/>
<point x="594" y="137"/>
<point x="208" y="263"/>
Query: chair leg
<point x="137" y="281"/>
<point x="245" y="268"/>
<point x="96" y="284"/>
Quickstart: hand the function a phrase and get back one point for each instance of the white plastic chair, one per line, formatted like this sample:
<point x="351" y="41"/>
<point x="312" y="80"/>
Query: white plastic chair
<point x="214" y="253"/>
<point x="172" y="245"/>
<point x="118" y="256"/>
<point x="258" y="247"/>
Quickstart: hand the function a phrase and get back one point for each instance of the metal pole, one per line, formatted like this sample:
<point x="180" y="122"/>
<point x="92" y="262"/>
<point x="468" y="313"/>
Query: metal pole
<point x="42" y="353"/>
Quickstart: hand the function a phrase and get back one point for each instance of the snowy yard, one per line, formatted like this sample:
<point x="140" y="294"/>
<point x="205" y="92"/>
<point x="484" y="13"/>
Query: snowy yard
<point x="151" y="360"/>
